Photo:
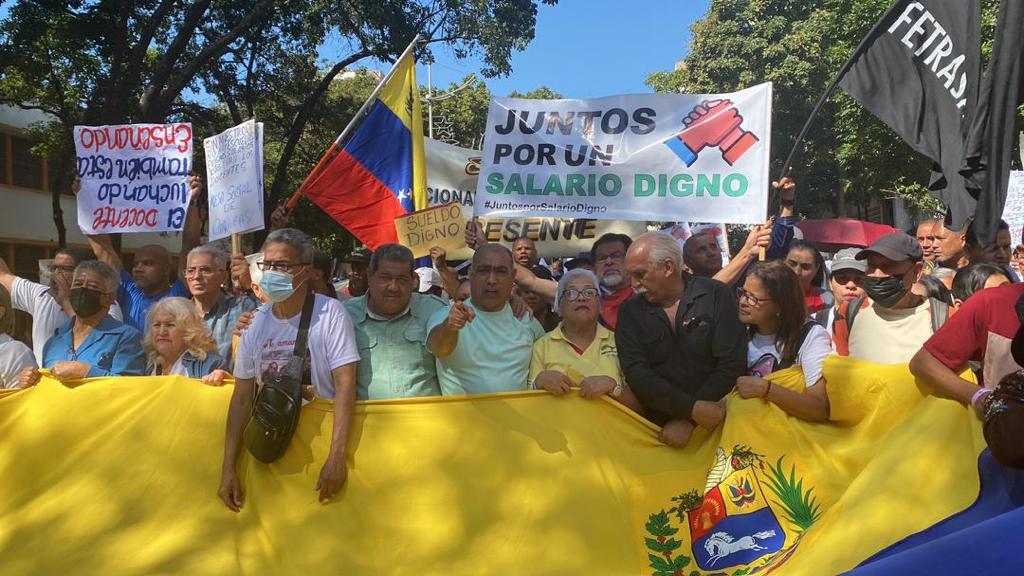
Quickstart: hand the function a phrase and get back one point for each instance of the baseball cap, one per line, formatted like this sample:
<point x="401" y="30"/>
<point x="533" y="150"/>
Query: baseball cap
<point x="896" y="246"/>
<point x="428" y="278"/>
<point x="581" y="260"/>
<point x="846" y="259"/>
<point x="359" y="255"/>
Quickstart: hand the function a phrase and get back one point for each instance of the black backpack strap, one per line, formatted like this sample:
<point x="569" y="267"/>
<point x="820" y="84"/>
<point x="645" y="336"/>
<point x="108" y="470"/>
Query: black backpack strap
<point x="939" y="313"/>
<point x="290" y="380"/>
<point x="821" y="316"/>
<point x="851" y="312"/>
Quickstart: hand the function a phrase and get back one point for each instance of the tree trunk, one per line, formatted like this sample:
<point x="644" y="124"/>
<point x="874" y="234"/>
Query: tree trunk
<point x="296" y="129"/>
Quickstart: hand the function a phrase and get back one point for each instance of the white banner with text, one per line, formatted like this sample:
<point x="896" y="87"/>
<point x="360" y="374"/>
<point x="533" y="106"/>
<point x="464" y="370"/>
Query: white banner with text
<point x="658" y="157"/>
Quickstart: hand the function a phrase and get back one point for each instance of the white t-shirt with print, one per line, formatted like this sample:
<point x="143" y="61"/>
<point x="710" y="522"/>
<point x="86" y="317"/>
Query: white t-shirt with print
<point x="266" y="347"/>
<point x="763" y="354"/>
<point x="47" y="315"/>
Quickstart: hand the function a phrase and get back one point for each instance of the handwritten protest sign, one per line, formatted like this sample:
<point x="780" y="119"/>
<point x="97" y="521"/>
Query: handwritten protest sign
<point x="682" y="157"/>
<point x="442" y="226"/>
<point x="1013" y="210"/>
<point x="134" y="177"/>
<point x="234" y="174"/>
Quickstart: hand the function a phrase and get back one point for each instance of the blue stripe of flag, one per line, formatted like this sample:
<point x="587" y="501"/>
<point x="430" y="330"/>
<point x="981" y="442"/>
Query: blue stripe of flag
<point x="383" y="145"/>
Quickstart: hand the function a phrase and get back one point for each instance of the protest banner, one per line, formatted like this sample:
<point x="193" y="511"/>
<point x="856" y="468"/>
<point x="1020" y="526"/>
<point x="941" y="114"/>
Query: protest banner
<point x="234" y="180"/>
<point x="442" y="226"/>
<point x="451" y="178"/>
<point x="1013" y="210"/>
<point x="639" y="157"/>
<point x="134" y="177"/>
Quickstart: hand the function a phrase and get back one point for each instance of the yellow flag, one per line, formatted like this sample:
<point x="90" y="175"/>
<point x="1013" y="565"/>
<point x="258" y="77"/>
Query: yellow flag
<point x="120" y="476"/>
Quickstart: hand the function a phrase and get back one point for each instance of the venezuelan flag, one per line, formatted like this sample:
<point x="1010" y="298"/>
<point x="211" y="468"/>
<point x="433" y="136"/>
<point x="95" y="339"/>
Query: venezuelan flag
<point x="380" y="174"/>
<point x="120" y="475"/>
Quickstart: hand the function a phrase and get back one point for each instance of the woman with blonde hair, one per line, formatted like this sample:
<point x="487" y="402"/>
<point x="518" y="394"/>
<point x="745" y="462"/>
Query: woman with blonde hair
<point x="177" y="342"/>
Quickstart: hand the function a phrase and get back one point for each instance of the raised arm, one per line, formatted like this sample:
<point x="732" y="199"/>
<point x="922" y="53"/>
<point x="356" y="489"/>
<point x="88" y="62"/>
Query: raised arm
<point x="6" y="277"/>
<point x="449" y="279"/>
<point x="192" y="229"/>
<point x="759" y="237"/>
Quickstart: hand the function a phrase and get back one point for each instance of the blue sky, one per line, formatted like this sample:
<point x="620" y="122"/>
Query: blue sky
<point x="589" y="48"/>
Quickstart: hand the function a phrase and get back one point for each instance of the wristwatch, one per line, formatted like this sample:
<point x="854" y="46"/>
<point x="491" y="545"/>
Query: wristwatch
<point x="617" y="391"/>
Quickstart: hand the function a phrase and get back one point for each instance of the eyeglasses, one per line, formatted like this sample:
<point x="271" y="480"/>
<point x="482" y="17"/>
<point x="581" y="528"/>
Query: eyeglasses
<point x="202" y="270"/>
<point x="282" y="266"/>
<point x="573" y="294"/>
<point x="744" y="296"/>
<point x="65" y="269"/>
<point x="842" y="279"/>
<point x="614" y="257"/>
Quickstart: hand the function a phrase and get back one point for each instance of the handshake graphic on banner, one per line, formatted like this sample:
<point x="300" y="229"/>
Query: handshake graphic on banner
<point x="714" y="124"/>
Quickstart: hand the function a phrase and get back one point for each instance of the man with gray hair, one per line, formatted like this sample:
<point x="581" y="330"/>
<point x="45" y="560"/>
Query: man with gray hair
<point x="91" y="343"/>
<point x="267" y="346"/>
<point x="206" y="272"/>
<point x="150" y="276"/>
<point x="680" y="340"/>
<point x="391" y="329"/>
<point x="48" y="305"/>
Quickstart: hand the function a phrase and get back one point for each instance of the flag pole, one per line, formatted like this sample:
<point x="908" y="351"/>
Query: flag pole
<point x="788" y="164"/>
<point x="335" y="146"/>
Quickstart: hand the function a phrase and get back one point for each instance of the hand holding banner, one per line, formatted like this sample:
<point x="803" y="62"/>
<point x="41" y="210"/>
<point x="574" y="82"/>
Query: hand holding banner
<point x="134" y="177"/>
<point x="234" y="168"/>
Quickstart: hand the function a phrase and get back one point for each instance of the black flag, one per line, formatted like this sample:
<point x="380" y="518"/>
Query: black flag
<point x="990" y="143"/>
<point x="919" y="72"/>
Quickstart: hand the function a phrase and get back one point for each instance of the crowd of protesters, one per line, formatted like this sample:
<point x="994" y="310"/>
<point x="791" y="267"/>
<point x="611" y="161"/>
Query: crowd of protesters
<point x="660" y="325"/>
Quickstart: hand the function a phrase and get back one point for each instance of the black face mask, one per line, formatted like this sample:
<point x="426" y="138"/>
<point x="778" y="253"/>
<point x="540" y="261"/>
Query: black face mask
<point x="886" y="291"/>
<point x="85" y="301"/>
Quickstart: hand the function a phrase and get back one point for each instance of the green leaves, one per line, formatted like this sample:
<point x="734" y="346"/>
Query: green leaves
<point x="849" y="160"/>
<point x="662" y="546"/>
<point x="798" y="506"/>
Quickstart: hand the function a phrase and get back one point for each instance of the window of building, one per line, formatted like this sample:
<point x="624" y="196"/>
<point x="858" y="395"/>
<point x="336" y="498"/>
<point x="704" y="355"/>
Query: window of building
<point x="4" y="155"/>
<point x="27" y="168"/>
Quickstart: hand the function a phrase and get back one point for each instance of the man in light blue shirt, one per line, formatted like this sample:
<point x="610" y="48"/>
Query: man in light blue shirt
<point x="480" y="345"/>
<point x="390" y="323"/>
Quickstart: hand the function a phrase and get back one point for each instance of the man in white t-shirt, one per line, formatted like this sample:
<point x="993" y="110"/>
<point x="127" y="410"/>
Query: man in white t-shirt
<point x="48" y="305"/>
<point x="265" y="348"/>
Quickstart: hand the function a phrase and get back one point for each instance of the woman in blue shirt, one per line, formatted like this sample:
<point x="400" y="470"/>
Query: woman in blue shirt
<point x="91" y="344"/>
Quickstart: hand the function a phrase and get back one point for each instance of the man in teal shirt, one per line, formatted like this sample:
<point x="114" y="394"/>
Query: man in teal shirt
<point x="391" y="330"/>
<point x="480" y="345"/>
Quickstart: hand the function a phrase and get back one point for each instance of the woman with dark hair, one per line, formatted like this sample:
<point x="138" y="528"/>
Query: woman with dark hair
<point x="935" y="288"/>
<point x="781" y="335"/>
<point x="975" y="277"/>
<point x="809" y="266"/>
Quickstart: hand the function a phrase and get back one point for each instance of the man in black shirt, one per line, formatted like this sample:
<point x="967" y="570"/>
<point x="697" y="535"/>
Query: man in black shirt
<point x="680" y="341"/>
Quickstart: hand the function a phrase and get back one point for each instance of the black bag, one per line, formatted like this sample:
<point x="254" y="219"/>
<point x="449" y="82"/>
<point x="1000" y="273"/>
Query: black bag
<point x="275" y="413"/>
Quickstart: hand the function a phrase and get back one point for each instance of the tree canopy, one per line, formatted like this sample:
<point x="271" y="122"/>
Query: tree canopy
<point x="849" y="157"/>
<point x="213" y="64"/>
